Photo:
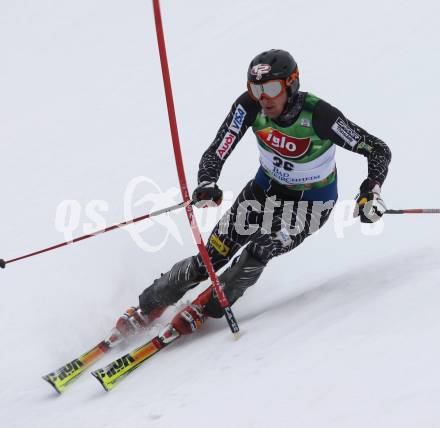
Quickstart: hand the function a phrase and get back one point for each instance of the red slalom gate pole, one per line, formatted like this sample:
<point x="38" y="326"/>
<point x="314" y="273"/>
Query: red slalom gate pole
<point x="3" y="263"/>
<point x="181" y="171"/>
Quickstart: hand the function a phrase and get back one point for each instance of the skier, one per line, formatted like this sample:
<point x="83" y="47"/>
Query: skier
<point x="297" y="134"/>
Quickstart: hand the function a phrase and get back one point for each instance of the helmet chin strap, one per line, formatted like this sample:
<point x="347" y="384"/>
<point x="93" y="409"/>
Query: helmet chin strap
<point x="290" y="97"/>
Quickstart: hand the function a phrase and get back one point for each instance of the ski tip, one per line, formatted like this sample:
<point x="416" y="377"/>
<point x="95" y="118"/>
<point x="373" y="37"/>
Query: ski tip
<point x="95" y="374"/>
<point x="49" y="381"/>
<point x="2" y="264"/>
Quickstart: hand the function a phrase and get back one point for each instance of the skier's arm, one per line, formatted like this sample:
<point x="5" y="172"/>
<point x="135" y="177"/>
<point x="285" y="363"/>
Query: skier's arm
<point x="329" y="123"/>
<point x="238" y="120"/>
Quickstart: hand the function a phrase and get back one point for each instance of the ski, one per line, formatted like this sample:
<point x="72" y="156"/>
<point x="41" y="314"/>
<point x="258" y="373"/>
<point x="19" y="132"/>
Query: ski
<point x="61" y="378"/>
<point x="117" y="370"/>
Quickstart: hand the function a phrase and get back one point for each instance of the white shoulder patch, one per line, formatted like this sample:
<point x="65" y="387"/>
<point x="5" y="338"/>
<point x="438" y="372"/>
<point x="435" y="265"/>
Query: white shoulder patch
<point x="348" y="134"/>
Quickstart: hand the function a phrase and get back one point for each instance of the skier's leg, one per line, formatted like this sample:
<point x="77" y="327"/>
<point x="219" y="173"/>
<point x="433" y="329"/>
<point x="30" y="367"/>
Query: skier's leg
<point x="171" y="286"/>
<point x="223" y="243"/>
<point x="243" y="273"/>
<point x="165" y="290"/>
<point x="225" y="240"/>
<point x="289" y="231"/>
<point x="245" y="270"/>
<point x="246" y="212"/>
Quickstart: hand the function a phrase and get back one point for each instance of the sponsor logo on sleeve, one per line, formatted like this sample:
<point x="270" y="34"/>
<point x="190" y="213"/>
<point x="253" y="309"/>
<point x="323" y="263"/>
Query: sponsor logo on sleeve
<point x="238" y="119"/>
<point x="348" y="134"/>
<point x="220" y="246"/>
<point x="225" y="145"/>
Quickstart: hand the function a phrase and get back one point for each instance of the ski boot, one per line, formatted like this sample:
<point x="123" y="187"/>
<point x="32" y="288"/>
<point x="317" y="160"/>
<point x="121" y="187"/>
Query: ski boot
<point x="194" y="315"/>
<point x="189" y="319"/>
<point x="134" y="320"/>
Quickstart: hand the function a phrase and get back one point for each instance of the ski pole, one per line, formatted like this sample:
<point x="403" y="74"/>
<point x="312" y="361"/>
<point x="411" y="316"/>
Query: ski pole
<point x="3" y="262"/>
<point x="415" y="211"/>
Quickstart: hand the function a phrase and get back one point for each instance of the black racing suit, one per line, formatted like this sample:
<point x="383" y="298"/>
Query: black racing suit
<point x="307" y="209"/>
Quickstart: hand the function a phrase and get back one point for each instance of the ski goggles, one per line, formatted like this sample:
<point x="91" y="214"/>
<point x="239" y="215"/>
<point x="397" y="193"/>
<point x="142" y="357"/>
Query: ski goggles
<point x="271" y="89"/>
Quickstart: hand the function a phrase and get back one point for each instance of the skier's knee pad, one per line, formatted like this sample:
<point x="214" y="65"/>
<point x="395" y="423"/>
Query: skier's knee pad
<point x="243" y="273"/>
<point x="171" y="286"/>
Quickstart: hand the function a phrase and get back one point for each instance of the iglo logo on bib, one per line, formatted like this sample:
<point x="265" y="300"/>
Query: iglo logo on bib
<point x="284" y="145"/>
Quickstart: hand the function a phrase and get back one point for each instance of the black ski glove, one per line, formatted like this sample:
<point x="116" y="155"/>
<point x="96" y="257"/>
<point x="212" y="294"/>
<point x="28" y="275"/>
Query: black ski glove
<point x="369" y="205"/>
<point x="207" y="194"/>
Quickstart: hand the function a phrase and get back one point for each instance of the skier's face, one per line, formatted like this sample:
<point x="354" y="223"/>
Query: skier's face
<point x="273" y="107"/>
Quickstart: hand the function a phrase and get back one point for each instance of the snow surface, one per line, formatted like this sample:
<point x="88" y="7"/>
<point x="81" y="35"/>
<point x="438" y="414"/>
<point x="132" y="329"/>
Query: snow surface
<point x="340" y="333"/>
